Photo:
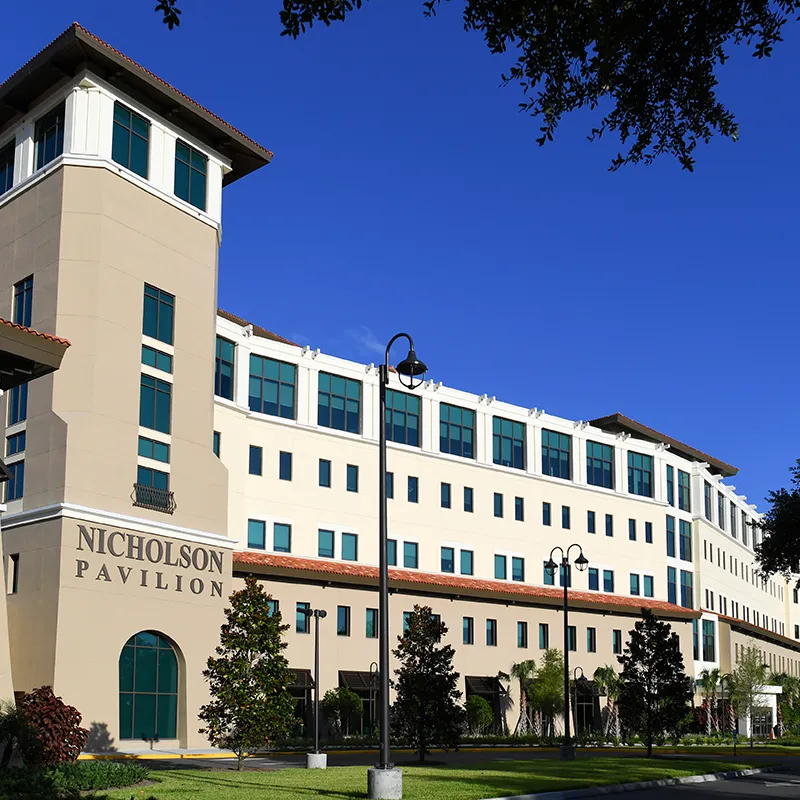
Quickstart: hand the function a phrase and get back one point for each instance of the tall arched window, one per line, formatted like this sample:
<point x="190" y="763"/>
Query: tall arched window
<point x="148" y="688"/>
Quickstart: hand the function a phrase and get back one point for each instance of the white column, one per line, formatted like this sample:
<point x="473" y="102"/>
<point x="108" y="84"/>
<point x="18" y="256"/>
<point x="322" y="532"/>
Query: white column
<point x="621" y="468"/>
<point x="241" y="375"/>
<point x="483" y="435"/>
<point x="369" y="409"/>
<point x="427" y="423"/>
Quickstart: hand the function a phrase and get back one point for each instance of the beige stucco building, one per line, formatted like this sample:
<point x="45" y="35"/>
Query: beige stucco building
<point x="146" y="497"/>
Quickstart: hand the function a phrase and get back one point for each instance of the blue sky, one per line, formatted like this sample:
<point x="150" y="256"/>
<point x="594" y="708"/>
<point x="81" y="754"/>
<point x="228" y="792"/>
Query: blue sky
<point x="407" y="193"/>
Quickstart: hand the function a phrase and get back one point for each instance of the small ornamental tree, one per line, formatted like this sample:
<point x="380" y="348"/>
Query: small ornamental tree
<point x="426" y="710"/>
<point x="342" y="706"/>
<point x="749" y="679"/>
<point x="607" y="681"/>
<point x="251" y="707"/>
<point x="655" y="689"/>
<point x="55" y="735"/>
<point x="548" y="690"/>
<point x="479" y="715"/>
<point x="524" y="672"/>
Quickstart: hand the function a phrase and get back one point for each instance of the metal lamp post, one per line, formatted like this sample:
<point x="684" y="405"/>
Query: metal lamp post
<point x="552" y="566"/>
<point x="316" y="760"/>
<point x="575" y="681"/>
<point x="384" y="782"/>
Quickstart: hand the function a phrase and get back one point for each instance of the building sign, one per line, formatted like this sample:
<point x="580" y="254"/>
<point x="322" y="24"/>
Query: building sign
<point x="142" y="561"/>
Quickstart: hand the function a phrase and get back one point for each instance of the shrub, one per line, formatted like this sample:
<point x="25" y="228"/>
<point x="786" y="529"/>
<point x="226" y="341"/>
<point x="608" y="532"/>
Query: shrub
<point x="68" y="780"/>
<point x="57" y="734"/>
<point x="479" y="714"/>
<point x="341" y="706"/>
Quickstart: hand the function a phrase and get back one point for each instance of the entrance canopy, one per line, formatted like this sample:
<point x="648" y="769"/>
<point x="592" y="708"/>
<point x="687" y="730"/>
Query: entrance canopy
<point x="26" y="354"/>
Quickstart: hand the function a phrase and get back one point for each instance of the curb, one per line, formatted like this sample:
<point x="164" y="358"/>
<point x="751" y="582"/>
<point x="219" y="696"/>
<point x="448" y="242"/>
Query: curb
<point x="595" y="791"/>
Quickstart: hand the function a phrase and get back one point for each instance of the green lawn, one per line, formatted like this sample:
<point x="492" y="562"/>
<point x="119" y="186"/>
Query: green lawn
<point x="419" y="783"/>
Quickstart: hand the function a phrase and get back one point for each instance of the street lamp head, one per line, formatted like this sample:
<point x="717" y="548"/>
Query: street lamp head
<point x="411" y="367"/>
<point x="322" y="613"/>
<point x="581" y="562"/>
<point x="551" y="566"/>
<point x="306" y="612"/>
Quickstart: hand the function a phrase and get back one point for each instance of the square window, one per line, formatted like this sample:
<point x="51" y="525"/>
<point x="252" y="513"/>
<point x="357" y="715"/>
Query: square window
<point x="467" y="558"/>
<point x="274" y="607"/>
<point x="456" y="431"/>
<point x="285" y="468"/>
<point x="413" y="489"/>
<point x="498" y="504"/>
<point x="325" y="473"/>
<point x="448" y="559"/>
<point x="272" y="387"/>
<point x="349" y="547"/>
<point x="402" y="418"/>
<point x="326" y="544"/>
<point x="468" y="499"/>
<point x="640" y="474"/>
<point x="256" y="459"/>
<point x="256" y="534"/>
<point x="600" y="465"/>
<point x="508" y="442"/>
<point x="156" y="359"/>
<point x="410" y="555"/>
<point x="556" y="454"/>
<point x="500" y="568"/>
<point x="339" y="403"/>
<point x="282" y="538"/>
<point x="352" y="478"/>
<point x="446" y="488"/>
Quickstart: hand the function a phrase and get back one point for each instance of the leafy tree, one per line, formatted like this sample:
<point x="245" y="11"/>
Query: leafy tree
<point x="779" y="550"/>
<point x="709" y="680"/>
<point x="55" y="732"/>
<point x="342" y="706"/>
<point x="749" y="679"/>
<point x="655" y="689"/>
<point x="651" y="67"/>
<point x="524" y="672"/>
<point x="788" y="705"/>
<point x="479" y="715"/>
<point x="251" y="707"/>
<point x="426" y="710"/>
<point x="608" y="683"/>
<point x="548" y="689"/>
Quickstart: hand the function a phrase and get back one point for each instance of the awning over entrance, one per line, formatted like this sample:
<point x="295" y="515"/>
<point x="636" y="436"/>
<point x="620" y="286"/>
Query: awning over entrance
<point x="586" y="688"/>
<point x="26" y="354"/>
<point x="358" y="681"/>
<point x="484" y="684"/>
<point x="302" y="679"/>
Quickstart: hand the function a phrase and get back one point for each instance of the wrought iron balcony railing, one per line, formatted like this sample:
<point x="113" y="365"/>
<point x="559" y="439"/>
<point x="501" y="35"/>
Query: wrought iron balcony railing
<point x="155" y="499"/>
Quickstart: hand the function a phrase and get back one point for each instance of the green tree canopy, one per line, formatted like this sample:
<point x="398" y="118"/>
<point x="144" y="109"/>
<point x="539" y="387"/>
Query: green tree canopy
<point x="748" y="681"/>
<point x="248" y="679"/>
<point x="342" y="706"/>
<point x="608" y="682"/>
<point x="524" y="672"/>
<point x="426" y="709"/>
<point x="779" y="550"/>
<point x="655" y="689"/>
<point x="548" y="689"/>
<point x="479" y="715"/>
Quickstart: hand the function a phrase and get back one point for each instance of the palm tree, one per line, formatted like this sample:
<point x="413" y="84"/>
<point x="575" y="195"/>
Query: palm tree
<point x="709" y="680"/>
<point x="608" y="683"/>
<point x="524" y="672"/>
<point x="790" y="694"/>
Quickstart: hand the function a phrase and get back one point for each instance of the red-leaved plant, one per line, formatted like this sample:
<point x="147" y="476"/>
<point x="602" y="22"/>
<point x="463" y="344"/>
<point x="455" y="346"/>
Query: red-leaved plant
<point x="56" y="733"/>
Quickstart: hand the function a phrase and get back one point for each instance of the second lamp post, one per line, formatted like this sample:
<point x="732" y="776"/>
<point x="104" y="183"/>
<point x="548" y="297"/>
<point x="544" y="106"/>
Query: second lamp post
<point x="563" y="567"/>
<point x="316" y="760"/>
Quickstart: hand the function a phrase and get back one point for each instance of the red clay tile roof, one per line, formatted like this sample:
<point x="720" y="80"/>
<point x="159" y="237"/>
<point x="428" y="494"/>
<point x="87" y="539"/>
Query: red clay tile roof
<point x="47" y="336"/>
<point x="404" y="576"/>
<point x="257" y="331"/>
<point x="749" y="626"/>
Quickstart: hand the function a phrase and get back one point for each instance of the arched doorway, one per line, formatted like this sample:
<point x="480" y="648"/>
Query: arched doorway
<point x="148" y="688"/>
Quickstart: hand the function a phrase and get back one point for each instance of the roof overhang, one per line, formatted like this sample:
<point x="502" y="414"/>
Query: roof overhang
<point x="619" y="423"/>
<point x="76" y="49"/>
<point x="760" y="633"/>
<point x="26" y="354"/>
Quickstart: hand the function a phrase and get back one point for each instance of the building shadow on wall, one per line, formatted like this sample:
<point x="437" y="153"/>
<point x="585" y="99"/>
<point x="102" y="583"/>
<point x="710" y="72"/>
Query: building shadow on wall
<point x="100" y="740"/>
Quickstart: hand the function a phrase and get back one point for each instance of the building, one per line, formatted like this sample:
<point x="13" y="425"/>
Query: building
<point x="147" y="497"/>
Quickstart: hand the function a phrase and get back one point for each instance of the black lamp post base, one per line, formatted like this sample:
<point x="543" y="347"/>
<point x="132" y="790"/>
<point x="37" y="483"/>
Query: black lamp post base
<point x="567" y="752"/>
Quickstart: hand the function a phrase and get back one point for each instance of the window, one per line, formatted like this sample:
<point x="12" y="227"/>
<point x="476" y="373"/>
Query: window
<point x="709" y="643"/>
<point x="446" y="492"/>
<point x="130" y="140"/>
<point x="456" y="431"/>
<point x="148" y="688"/>
<point x="600" y="465"/>
<point x="410" y="555"/>
<point x="282" y="538"/>
<point x="565" y="574"/>
<point x="371" y="631"/>
<point x="632" y="530"/>
<point x="16" y="444"/>
<point x="572" y="638"/>
<point x="517" y="568"/>
<point x="685" y="540"/>
<point x="545" y="513"/>
<point x="744" y="529"/>
<point x="565" y="517"/>
<point x="156" y="359"/>
<point x="609" y="525"/>
<point x="12" y="580"/>
<point x="733" y="520"/>
<point x="285" y="466"/>
<point x="684" y="491"/>
<point x="608" y="580"/>
<point x="468" y="630"/>
<point x="48" y="136"/>
<point x="349" y="547"/>
<point x="7" y="166"/>
<point x="519" y="509"/>
<point x="155" y="401"/>
<point x="302" y="623"/>
<point x="15" y="485"/>
<point x="467" y="558"/>
<point x="256" y="534"/>
<point x="591" y="640"/>
<point x="648" y="533"/>
<point x="634" y="584"/>
<point x="671" y="536"/>
<point x="544" y="636"/>
<point x="191" y="167"/>
<point x="325" y="473"/>
<point x="256" y="460"/>
<point x="508" y="442"/>
<point x="522" y="634"/>
<point x="413" y="489"/>
<point x="448" y="559"/>
<point x="670" y="485"/>
<point x="687" y="589"/>
<point x="272" y="387"/>
<point x="392" y="552"/>
<point x="616" y="641"/>
<point x="342" y="620"/>
<point x="549" y="578"/>
<point x="402" y="418"/>
<point x="491" y="632"/>
<point x="707" y="501"/>
<point x="640" y="474"/>
<point x="498" y="504"/>
<point x="390" y="485"/>
<point x="500" y="568"/>
<point x="648" y="585"/>
<point x="696" y="646"/>
<point x="721" y="510"/>
<point x="223" y="369"/>
<point x="556" y="454"/>
<point x="339" y="403"/>
<point x="23" y="302"/>
<point x="159" y="314"/>
<point x="352" y="478"/>
<point x="217" y="443"/>
<point x="590" y="523"/>
<point x="325" y="544"/>
<point x="158" y="451"/>
<point x="594" y="579"/>
<point x="468" y="507"/>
